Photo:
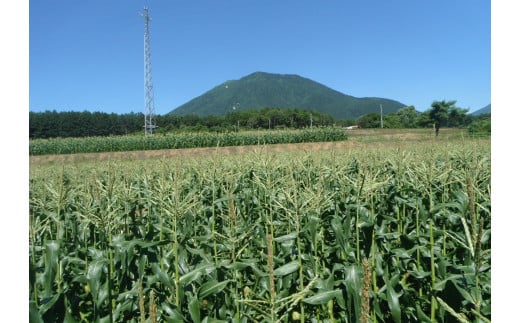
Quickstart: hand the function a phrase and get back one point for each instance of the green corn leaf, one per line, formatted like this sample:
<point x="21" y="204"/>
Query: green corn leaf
<point x="459" y="316"/>
<point x="52" y="249"/>
<point x="323" y="297"/>
<point x="124" y="304"/>
<point x="476" y="294"/>
<point x="353" y="283"/>
<point x="441" y="264"/>
<point x="392" y="296"/>
<point x="440" y="285"/>
<point x="287" y="269"/>
<point x="141" y="265"/>
<point x="173" y="315"/>
<point x="94" y="275"/>
<point x="325" y="284"/>
<point x="468" y="236"/>
<point x="340" y="234"/>
<point x="163" y="277"/>
<point x="105" y="319"/>
<point x="103" y="294"/>
<point x="485" y="319"/>
<point x="238" y="265"/>
<point x="290" y="236"/>
<point x="34" y="314"/>
<point x="421" y="315"/>
<point x="401" y="253"/>
<point x="212" y="287"/>
<point x="393" y="303"/>
<point x="199" y="252"/>
<point x="257" y="271"/>
<point x="443" y="206"/>
<point x="463" y="292"/>
<point x="420" y="274"/>
<point x="49" y="303"/>
<point x="194" y="309"/>
<point x="196" y="273"/>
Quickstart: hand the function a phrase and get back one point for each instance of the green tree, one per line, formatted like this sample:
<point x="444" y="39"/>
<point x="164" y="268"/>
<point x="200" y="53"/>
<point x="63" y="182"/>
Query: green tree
<point x="440" y="112"/>
<point x="480" y="127"/>
<point x="370" y="120"/>
<point x="409" y="117"/>
<point x="392" y="121"/>
<point x="346" y="122"/>
<point x="458" y="117"/>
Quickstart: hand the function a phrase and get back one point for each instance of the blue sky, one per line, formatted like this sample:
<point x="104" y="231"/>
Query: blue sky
<point x="88" y="55"/>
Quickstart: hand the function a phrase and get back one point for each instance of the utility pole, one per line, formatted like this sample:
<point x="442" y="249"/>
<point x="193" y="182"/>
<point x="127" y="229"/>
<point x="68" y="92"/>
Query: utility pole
<point x="381" y="107"/>
<point x="149" y="109"/>
<point x="311" y="120"/>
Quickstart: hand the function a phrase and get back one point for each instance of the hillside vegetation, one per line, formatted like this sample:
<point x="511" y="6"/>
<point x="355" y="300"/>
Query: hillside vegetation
<point x="484" y="110"/>
<point x="259" y="90"/>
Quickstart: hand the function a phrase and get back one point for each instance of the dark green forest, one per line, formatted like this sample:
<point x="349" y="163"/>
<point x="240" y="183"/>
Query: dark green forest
<point x="52" y="124"/>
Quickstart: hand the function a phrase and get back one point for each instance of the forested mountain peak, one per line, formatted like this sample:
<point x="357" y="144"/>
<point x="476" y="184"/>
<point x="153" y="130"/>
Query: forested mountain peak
<point x="260" y="90"/>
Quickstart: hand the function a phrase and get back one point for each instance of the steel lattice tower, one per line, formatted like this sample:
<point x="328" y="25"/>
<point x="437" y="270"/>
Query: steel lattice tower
<point x="149" y="109"/>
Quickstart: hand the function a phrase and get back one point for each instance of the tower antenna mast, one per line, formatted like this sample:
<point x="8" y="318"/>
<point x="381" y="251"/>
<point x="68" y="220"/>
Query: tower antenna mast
<point x="149" y="109"/>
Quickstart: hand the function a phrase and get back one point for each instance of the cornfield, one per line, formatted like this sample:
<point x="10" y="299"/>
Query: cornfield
<point x="376" y="235"/>
<point x="181" y="140"/>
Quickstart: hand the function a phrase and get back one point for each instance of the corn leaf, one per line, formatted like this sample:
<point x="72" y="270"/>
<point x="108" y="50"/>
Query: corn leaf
<point x="194" y="309"/>
<point x="212" y="287"/>
<point x="287" y="269"/>
<point x="323" y="297"/>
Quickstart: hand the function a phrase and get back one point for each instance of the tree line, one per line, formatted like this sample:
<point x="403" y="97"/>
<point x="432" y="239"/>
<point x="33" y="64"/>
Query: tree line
<point x="52" y="124"/>
<point x="441" y="114"/>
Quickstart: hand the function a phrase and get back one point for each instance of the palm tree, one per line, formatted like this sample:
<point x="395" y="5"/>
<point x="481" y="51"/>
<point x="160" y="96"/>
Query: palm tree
<point x="439" y="113"/>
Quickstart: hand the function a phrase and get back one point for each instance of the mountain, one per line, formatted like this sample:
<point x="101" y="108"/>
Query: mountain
<point x="265" y="90"/>
<point x="484" y="110"/>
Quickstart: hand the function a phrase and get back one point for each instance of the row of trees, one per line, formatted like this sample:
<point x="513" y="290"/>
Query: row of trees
<point x="441" y="114"/>
<point x="268" y="118"/>
<point x="50" y="124"/>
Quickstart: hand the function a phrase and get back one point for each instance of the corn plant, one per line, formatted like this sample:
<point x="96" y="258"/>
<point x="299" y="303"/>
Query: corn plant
<point x="180" y="140"/>
<point x="371" y="235"/>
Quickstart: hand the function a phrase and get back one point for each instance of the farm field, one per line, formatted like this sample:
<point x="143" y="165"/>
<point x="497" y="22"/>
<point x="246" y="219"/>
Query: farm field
<point x="355" y="138"/>
<point x="181" y="140"/>
<point x="373" y="229"/>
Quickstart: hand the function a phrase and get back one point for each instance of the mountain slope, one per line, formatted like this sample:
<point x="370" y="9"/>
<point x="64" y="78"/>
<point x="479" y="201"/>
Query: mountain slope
<point x="484" y="110"/>
<point x="260" y="90"/>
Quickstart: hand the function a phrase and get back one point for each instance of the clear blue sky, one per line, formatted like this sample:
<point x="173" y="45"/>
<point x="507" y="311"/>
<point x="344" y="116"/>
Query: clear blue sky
<point x="88" y="55"/>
